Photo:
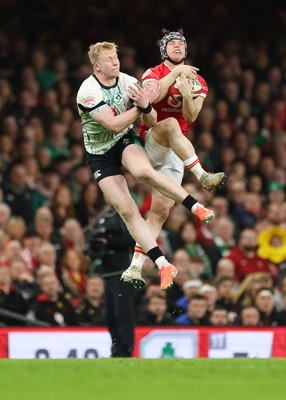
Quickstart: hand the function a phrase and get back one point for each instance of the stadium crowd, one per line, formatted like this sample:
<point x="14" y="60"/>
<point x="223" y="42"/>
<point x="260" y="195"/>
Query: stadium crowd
<point x="231" y="271"/>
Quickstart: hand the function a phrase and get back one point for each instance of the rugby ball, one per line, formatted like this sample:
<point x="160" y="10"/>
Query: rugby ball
<point x="196" y="87"/>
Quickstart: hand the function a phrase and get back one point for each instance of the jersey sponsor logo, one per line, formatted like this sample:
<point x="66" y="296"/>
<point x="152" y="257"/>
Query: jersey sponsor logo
<point x="97" y="174"/>
<point x="175" y="101"/>
<point x="89" y="100"/>
<point x="170" y="110"/>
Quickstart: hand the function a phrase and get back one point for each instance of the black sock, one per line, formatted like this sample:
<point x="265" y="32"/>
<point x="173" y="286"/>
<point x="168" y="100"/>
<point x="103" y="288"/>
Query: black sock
<point x="155" y="253"/>
<point x="188" y="202"/>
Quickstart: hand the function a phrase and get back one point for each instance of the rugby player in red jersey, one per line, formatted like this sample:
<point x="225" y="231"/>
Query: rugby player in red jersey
<point x="183" y="92"/>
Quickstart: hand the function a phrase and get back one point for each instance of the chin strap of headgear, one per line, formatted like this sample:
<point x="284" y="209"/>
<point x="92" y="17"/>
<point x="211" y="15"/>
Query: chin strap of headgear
<point x="163" y="45"/>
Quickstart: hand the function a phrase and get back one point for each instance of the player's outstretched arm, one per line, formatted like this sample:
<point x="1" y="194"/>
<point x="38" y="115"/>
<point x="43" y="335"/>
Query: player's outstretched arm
<point x="116" y="123"/>
<point x="190" y="107"/>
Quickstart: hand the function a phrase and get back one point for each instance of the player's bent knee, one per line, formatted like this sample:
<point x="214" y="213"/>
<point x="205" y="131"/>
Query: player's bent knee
<point x="170" y="123"/>
<point x="127" y="211"/>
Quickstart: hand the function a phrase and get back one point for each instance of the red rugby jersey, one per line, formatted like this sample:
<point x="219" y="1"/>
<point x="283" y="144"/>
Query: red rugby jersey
<point x="171" y="104"/>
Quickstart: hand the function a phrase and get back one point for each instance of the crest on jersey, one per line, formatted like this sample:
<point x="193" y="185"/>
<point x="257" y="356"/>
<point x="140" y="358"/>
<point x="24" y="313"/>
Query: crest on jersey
<point x="118" y="98"/>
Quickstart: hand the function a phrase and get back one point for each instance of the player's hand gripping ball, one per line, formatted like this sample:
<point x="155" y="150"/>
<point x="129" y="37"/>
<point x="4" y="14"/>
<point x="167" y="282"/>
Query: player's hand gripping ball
<point x="196" y="89"/>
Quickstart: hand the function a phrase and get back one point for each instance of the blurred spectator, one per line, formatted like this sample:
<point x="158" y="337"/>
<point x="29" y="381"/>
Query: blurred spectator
<point x="152" y="287"/>
<point x="267" y="171"/>
<point x="63" y="165"/>
<point x="62" y="205"/>
<point x="44" y="158"/>
<point x="47" y="254"/>
<point x="182" y="261"/>
<point x="57" y="142"/>
<point x="196" y="313"/>
<point x="11" y="129"/>
<point x="49" y="182"/>
<point x="5" y="213"/>
<point x="47" y="232"/>
<point x="276" y="193"/>
<point x="197" y="267"/>
<point x="22" y="200"/>
<point x="255" y="185"/>
<point x="272" y="247"/>
<point x="45" y="76"/>
<point x="42" y="271"/>
<point x="3" y="243"/>
<point x="236" y="195"/>
<point x="155" y="313"/>
<point x="90" y="204"/>
<point x="10" y="298"/>
<point x="218" y="317"/>
<point x="30" y="242"/>
<point x="248" y="212"/>
<point x="211" y="295"/>
<point x="51" y="306"/>
<point x="274" y="214"/>
<point x="91" y="310"/>
<point x="225" y="294"/>
<point x="225" y="267"/>
<point x="249" y="317"/>
<point x="264" y="301"/>
<point x="73" y="275"/>
<point x="14" y="251"/>
<point x="80" y="179"/>
<point x="23" y="281"/>
<point x="246" y="291"/>
<point x="279" y="294"/>
<point x="72" y="233"/>
<point x="223" y="240"/>
<point x="7" y="152"/>
<point x="246" y="259"/>
<point x="190" y="288"/>
<point x="188" y="236"/>
<point x="16" y="228"/>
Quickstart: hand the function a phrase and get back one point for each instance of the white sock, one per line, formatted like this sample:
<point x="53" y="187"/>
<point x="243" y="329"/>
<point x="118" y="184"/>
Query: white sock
<point x="161" y="262"/>
<point x="138" y="259"/>
<point x="194" y="165"/>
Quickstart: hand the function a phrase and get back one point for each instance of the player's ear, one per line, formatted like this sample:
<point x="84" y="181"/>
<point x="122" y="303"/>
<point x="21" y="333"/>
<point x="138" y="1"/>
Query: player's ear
<point x="96" y="67"/>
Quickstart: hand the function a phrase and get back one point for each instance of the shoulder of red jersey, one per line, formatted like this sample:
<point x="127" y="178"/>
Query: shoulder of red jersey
<point x="154" y="73"/>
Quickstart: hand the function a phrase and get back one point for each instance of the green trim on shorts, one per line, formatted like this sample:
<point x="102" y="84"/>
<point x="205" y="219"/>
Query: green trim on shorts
<point x="136" y="138"/>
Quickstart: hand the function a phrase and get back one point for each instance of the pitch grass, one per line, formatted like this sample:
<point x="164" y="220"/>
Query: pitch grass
<point x="146" y="379"/>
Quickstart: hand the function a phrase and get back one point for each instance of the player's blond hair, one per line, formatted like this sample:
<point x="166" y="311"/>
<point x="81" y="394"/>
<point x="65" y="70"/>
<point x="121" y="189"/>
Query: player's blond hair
<point x="96" y="49"/>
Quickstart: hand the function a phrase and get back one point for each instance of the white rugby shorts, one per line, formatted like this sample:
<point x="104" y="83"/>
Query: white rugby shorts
<point x="163" y="159"/>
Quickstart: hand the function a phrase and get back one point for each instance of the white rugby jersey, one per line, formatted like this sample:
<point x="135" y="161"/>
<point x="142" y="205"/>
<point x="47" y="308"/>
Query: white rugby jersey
<point x="92" y="97"/>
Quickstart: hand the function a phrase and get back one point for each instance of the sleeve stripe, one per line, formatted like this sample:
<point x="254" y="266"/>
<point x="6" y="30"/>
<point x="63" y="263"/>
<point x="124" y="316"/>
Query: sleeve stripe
<point x="89" y="109"/>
